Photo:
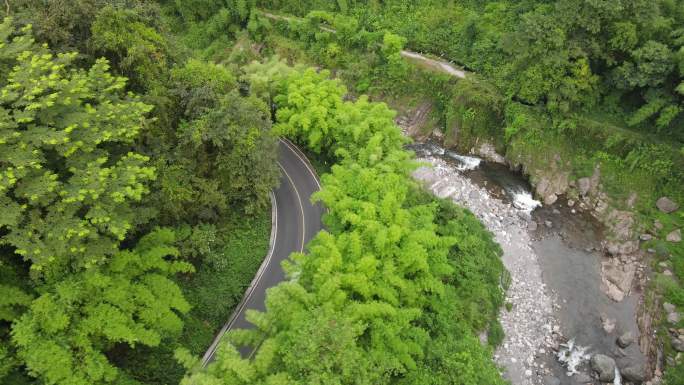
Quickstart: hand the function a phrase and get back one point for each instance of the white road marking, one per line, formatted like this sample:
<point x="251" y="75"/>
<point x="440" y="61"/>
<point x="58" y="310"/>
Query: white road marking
<point x="304" y="161"/>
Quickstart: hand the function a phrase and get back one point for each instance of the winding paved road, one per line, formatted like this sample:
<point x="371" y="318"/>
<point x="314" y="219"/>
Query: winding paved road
<point x="295" y="222"/>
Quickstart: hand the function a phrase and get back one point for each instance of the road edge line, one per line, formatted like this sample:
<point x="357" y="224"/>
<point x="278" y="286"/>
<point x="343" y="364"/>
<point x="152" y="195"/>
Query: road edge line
<point x="271" y="243"/>
<point x="305" y="160"/>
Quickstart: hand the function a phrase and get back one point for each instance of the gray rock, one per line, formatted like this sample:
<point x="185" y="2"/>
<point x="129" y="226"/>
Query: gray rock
<point x="607" y="323"/>
<point x="634" y="373"/>
<point x="551" y="380"/>
<point x="673" y="317"/>
<point x="669" y="308"/>
<point x="666" y="205"/>
<point x="625" y="340"/>
<point x="677" y="344"/>
<point x="583" y="184"/>
<point x="645" y="237"/>
<point x="532" y="226"/>
<point x="657" y="225"/>
<point x="631" y="200"/>
<point x="674" y="236"/>
<point x="667" y="273"/>
<point x="604" y="366"/>
<point x="556" y="211"/>
<point x="488" y="152"/>
<point x="583" y="378"/>
<point x="548" y="224"/>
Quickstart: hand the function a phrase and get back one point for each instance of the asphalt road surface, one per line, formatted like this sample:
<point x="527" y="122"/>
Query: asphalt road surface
<point x="295" y="222"/>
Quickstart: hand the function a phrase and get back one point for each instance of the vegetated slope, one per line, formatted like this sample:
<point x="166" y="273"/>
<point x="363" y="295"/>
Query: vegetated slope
<point x="398" y="287"/>
<point x="114" y="199"/>
<point x="128" y="204"/>
<point x="625" y="57"/>
<point x="625" y="135"/>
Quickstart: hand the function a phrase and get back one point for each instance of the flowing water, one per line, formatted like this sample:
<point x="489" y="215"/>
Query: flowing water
<point x="559" y="310"/>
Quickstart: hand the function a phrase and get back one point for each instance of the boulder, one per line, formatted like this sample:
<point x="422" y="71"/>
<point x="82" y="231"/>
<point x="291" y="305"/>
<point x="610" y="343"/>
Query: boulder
<point x="673" y="317"/>
<point x="583" y="378"/>
<point x="669" y="308"/>
<point x="488" y="152"/>
<point x="607" y="323"/>
<point x="625" y="339"/>
<point x="634" y="373"/>
<point x="604" y="366"/>
<point x="666" y="205"/>
<point x="583" y="184"/>
<point x="616" y="278"/>
<point x="674" y="236"/>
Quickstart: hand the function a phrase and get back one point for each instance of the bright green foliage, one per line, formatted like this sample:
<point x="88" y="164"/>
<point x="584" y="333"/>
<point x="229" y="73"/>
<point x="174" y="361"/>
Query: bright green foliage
<point x="397" y="67"/>
<point x="127" y="300"/>
<point x="71" y="191"/>
<point x="67" y="183"/>
<point x="307" y="110"/>
<point x="354" y="309"/>
<point x="310" y="108"/>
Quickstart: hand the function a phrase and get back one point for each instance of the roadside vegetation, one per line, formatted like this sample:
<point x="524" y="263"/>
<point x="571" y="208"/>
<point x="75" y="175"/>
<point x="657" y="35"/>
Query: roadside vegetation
<point x="137" y="149"/>
<point x="134" y="186"/>
<point x="566" y="86"/>
<point x="136" y="156"/>
<point x="398" y="286"/>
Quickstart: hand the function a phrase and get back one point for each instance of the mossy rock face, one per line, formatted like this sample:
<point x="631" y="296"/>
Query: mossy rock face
<point x="475" y="115"/>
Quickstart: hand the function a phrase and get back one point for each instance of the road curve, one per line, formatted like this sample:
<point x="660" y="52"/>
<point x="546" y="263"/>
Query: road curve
<point x="295" y="222"/>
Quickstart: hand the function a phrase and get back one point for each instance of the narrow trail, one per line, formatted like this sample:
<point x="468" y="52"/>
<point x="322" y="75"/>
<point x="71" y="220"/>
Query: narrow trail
<point x="438" y="64"/>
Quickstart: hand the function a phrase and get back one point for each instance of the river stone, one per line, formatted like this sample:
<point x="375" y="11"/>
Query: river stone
<point x="551" y="380"/>
<point x="488" y="152"/>
<point x="634" y="373"/>
<point x="604" y="366"/>
<point x="666" y="205"/>
<point x="607" y="323"/>
<point x="645" y="237"/>
<point x="677" y="344"/>
<point x="583" y="378"/>
<point x="625" y="340"/>
<point x="674" y="236"/>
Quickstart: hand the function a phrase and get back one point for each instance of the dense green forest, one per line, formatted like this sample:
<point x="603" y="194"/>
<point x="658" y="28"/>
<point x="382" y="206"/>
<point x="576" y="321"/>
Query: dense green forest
<point x="135" y="175"/>
<point x="137" y="149"/>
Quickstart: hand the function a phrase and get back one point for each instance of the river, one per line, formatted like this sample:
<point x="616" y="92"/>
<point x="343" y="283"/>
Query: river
<point x="560" y="316"/>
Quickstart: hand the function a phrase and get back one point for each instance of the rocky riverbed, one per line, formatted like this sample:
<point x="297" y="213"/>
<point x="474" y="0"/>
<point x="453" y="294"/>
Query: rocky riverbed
<point x="562" y="327"/>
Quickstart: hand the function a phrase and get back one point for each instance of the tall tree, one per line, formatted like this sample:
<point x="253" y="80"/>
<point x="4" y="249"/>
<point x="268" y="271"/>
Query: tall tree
<point x="68" y="180"/>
